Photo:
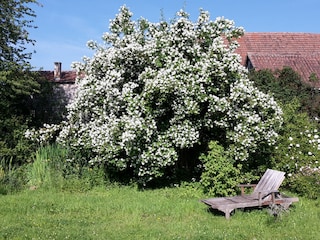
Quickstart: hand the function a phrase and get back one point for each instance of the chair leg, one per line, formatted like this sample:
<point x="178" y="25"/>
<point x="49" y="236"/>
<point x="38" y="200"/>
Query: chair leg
<point x="227" y="213"/>
<point x="286" y="205"/>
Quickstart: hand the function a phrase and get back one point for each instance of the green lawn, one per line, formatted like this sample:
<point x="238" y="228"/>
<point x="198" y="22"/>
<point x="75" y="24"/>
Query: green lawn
<point x="127" y="213"/>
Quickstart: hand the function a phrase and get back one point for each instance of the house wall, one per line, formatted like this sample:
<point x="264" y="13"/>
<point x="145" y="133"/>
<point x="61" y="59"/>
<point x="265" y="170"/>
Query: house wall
<point x="50" y="107"/>
<point x="65" y="92"/>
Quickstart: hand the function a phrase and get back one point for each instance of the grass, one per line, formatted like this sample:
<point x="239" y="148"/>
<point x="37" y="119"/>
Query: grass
<point x="127" y="213"/>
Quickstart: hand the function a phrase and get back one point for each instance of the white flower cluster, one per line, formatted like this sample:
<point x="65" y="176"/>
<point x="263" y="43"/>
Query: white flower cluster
<point x="156" y="88"/>
<point x="250" y="111"/>
<point x="303" y="151"/>
<point x="44" y="134"/>
<point x="308" y="170"/>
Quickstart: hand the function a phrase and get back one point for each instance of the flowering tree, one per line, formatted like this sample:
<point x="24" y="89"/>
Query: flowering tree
<point x="154" y="89"/>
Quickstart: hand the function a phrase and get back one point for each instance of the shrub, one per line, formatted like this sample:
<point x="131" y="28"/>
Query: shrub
<point x="219" y="176"/>
<point x="306" y="182"/>
<point x="299" y="142"/>
<point x="154" y="90"/>
<point x="298" y="147"/>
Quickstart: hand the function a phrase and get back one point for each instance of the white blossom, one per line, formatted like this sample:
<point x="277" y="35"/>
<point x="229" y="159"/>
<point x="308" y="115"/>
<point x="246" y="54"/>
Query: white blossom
<point x="154" y="88"/>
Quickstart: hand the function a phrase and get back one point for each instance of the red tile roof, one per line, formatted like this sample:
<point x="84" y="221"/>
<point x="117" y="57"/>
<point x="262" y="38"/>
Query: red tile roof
<point x="65" y="77"/>
<point x="300" y="51"/>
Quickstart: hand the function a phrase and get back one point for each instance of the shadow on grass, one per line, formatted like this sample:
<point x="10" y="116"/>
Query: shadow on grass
<point x="216" y="212"/>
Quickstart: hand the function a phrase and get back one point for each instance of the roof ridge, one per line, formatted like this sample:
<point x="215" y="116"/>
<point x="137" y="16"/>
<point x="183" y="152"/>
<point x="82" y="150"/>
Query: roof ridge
<point x="297" y="54"/>
<point x="278" y="33"/>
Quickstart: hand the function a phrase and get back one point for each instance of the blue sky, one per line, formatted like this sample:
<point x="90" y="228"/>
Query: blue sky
<point x="65" y="26"/>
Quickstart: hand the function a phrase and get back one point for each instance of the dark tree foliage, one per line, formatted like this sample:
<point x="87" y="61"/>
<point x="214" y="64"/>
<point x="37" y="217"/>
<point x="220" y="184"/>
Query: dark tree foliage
<point x="286" y="85"/>
<point x="18" y="84"/>
<point x="16" y="93"/>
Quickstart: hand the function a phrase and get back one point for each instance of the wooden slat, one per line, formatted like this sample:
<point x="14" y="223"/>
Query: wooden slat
<point x="271" y="180"/>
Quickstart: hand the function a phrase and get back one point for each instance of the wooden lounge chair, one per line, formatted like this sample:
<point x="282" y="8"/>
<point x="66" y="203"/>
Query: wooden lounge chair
<point x="265" y="193"/>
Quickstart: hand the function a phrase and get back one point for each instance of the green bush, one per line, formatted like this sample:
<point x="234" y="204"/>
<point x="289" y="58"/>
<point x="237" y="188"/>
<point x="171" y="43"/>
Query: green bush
<point x="219" y="176"/>
<point x="299" y="141"/>
<point x="306" y="182"/>
<point x="13" y="144"/>
<point x="298" y="147"/>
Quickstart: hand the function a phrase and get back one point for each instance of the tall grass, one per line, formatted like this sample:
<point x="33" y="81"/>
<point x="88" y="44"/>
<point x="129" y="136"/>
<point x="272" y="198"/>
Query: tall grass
<point x="12" y="178"/>
<point x="47" y="168"/>
<point x="122" y="212"/>
<point x="39" y="172"/>
<point x="51" y="169"/>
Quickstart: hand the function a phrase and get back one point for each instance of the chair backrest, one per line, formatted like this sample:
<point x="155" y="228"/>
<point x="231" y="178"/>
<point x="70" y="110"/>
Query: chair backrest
<point x="271" y="180"/>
